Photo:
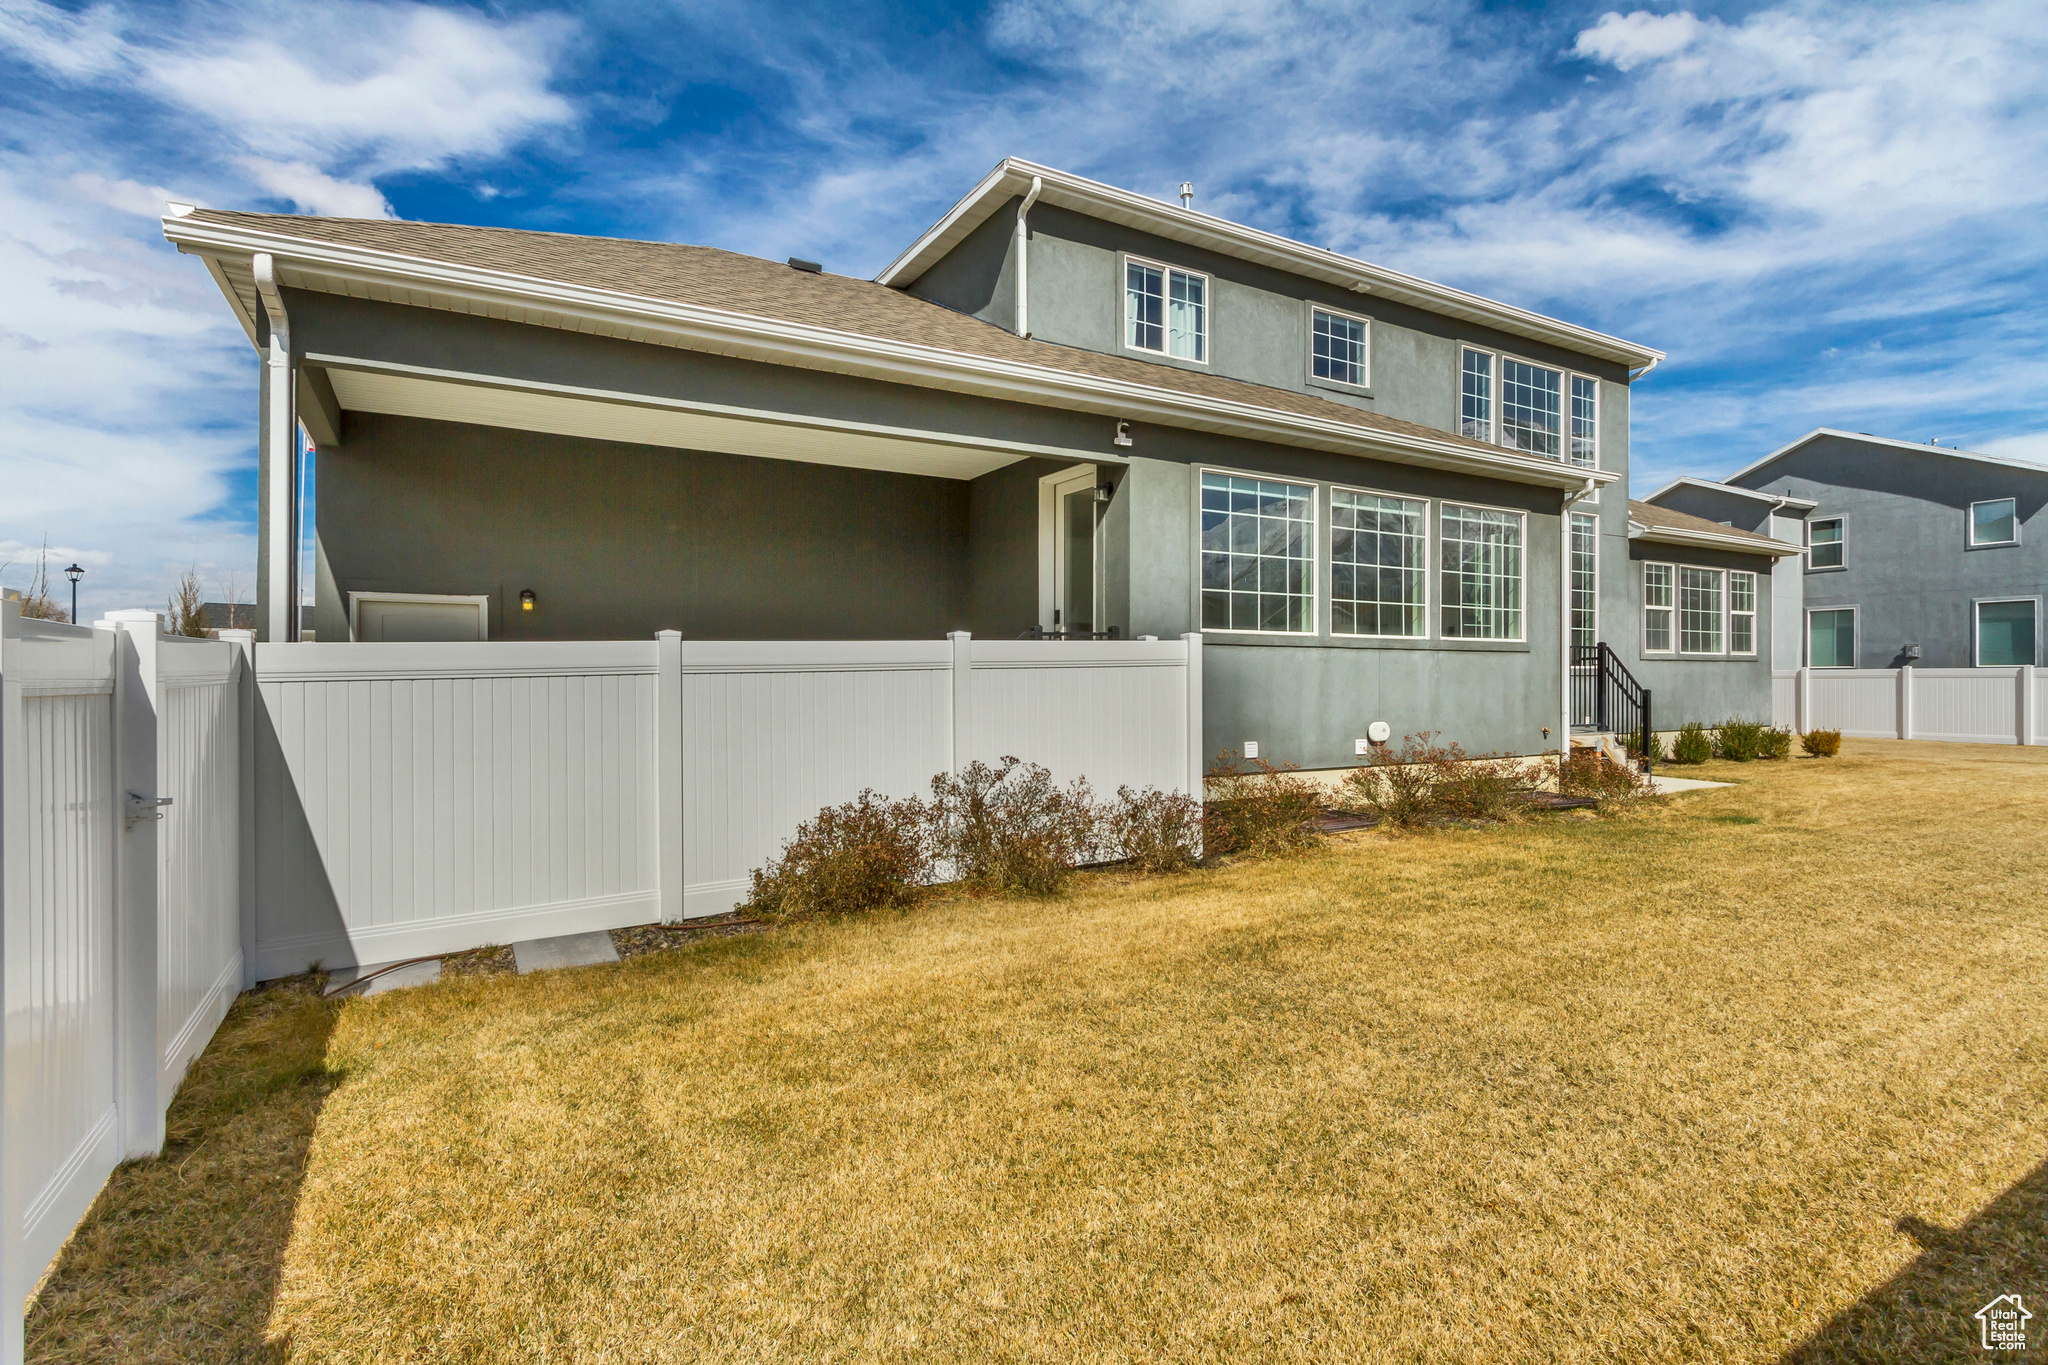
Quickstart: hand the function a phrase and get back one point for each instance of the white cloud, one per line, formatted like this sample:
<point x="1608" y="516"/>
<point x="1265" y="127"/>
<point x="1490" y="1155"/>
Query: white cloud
<point x="312" y="190"/>
<point x="82" y="44"/>
<point x="1626" y="41"/>
<point x="2031" y="446"/>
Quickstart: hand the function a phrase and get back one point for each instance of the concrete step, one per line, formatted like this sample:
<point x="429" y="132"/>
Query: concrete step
<point x="567" y="950"/>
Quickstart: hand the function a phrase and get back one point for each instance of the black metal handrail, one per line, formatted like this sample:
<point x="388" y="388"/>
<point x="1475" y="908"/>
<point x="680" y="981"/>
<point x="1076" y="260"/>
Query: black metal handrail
<point x="1607" y="698"/>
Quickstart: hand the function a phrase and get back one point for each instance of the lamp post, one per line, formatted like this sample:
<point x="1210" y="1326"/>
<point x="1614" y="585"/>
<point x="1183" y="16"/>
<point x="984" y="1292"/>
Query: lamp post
<point x="74" y="573"/>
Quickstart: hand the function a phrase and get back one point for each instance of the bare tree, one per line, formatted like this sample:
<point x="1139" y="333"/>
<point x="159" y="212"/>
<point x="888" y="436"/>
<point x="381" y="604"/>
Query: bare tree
<point x="36" y="603"/>
<point x="231" y="596"/>
<point x="185" y="612"/>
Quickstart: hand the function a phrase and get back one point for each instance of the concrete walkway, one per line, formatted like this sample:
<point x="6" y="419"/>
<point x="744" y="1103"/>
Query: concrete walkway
<point x="1667" y="785"/>
<point x="569" y="950"/>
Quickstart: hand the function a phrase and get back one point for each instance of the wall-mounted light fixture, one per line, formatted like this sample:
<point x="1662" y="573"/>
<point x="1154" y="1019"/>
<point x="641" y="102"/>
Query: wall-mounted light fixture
<point x="1123" y="434"/>
<point x="527" y="599"/>
<point x="1104" y="491"/>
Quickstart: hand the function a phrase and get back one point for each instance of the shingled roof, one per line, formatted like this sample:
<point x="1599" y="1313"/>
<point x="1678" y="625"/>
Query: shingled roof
<point x="750" y="286"/>
<point x="1655" y="518"/>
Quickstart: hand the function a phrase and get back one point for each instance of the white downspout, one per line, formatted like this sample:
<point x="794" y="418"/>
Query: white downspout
<point x="1572" y="499"/>
<point x="280" y="430"/>
<point x="1023" y="257"/>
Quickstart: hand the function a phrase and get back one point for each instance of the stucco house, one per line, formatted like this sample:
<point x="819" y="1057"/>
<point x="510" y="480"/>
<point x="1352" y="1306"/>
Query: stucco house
<point x="1915" y="554"/>
<point x="1065" y="408"/>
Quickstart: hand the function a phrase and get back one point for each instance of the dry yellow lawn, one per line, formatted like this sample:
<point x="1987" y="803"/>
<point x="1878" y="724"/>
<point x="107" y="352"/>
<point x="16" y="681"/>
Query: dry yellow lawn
<point x="1755" y="1074"/>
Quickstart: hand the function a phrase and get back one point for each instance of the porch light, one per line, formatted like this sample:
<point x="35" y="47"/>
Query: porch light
<point x="526" y="599"/>
<point x="1123" y="434"/>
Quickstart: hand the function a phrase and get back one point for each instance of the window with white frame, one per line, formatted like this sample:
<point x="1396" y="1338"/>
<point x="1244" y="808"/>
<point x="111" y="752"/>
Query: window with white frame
<point x="1258" y="554"/>
<point x="1831" y="638"/>
<point x="1741" y="612"/>
<point x="1585" y="421"/>
<point x="1585" y="579"/>
<point x="1166" y="311"/>
<point x="2005" y="632"/>
<point x="1379" y="564"/>
<point x="1825" y="543"/>
<point x="1995" y="522"/>
<point x="1476" y="395"/>
<point x="1699" y="610"/>
<point x="1531" y="407"/>
<point x="1482" y="568"/>
<point x="1337" y="347"/>
<point x="1657" y="608"/>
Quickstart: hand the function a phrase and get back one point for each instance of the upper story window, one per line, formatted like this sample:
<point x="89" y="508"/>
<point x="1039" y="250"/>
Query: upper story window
<point x="1524" y="407"/>
<point x="1166" y="311"/>
<point x="1995" y="522"/>
<point x="1337" y="347"/>
<point x="1826" y="540"/>
<point x="1482" y="557"/>
<point x="1258" y="554"/>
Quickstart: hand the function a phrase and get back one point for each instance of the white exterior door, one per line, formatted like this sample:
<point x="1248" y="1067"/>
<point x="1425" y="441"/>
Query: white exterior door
<point x="1070" y="552"/>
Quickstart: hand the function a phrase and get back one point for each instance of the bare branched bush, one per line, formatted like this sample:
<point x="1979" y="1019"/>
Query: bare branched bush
<point x="869" y="853"/>
<point x="1589" y="772"/>
<point x="1266" y="812"/>
<point x="1156" y="831"/>
<point x="1010" y="829"/>
<point x="185" y="611"/>
<point x="1423" y="780"/>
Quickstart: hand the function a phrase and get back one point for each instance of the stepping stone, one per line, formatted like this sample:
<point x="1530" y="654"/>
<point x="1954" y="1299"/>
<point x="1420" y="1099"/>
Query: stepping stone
<point x="343" y="979"/>
<point x="568" y="950"/>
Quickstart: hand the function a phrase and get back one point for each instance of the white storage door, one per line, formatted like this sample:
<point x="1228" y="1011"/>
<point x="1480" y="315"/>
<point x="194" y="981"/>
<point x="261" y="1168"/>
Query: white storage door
<point x="397" y="619"/>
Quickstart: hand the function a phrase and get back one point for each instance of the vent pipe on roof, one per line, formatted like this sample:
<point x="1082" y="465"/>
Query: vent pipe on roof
<point x="1024" y="256"/>
<point x="1187" y="194"/>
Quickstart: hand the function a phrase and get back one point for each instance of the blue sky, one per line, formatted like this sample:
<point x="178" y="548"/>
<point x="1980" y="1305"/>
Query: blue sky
<point x="1828" y="214"/>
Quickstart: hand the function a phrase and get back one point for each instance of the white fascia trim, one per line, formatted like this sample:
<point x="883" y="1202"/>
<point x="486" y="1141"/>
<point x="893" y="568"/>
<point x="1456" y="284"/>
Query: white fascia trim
<point x="1013" y="177"/>
<point x="777" y="341"/>
<point x="1890" y="443"/>
<point x="1687" y="481"/>
<point x="1672" y="535"/>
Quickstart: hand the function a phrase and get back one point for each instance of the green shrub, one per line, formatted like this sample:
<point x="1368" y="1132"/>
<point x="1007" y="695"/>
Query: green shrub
<point x="1422" y="780"/>
<point x="1642" y="746"/>
<point x="1589" y="772"/>
<point x="868" y="853"/>
<point x="1008" y="829"/>
<point x="1777" y="744"/>
<point x="1693" y="745"/>
<point x="1742" y="741"/>
<point x="1155" y="831"/>
<point x="1821" y="743"/>
<point x="1264" y="813"/>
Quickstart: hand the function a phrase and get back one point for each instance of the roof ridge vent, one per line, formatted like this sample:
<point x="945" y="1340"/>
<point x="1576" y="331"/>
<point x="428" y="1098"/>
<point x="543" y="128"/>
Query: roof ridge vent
<point x="808" y="267"/>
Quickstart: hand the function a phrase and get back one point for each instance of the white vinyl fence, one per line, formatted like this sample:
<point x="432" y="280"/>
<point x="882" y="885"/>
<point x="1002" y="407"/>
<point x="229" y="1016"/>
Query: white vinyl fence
<point x="1961" y="705"/>
<point x="122" y="943"/>
<point x="420" y="799"/>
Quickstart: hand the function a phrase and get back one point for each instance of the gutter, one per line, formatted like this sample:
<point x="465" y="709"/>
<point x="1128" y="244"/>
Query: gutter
<point x="1670" y="535"/>
<point x="1024" y="258"/>
<point x="778" y="341"/>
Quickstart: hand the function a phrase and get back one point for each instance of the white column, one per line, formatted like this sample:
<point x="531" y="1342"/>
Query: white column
<point x="279" y="462"/>
<point x="1197" y="760"/>
<point x="671" y="854"/>
<point x="2030" y="706"/>
<point x="1905" y="703"/>
<point x="963" y="698"/>
<point x="248" y="700"/>
<point x="137" y="1051"/>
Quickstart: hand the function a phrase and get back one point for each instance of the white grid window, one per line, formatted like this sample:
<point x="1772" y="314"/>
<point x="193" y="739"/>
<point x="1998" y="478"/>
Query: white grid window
<point x="1657" y="608"/>
<point x="1824" y="544"/>
<point x="1741" y="613"/>
<point x="1337" y="347"/>
<point x="1585" y="579"/>
<point x="1482" y="552"/>
<point x="1379" y="564"/>
<point x="1699" y="611"/>
<point x="1585" y="421"/>
<point x="1476" y="396"/>
<point x="1166" y="311"/>
<point x="1531" y="405"/>
<point x="1258" y="546"/>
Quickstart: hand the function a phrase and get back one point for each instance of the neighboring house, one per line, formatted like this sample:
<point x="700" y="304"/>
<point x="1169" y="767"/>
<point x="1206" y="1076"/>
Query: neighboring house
<point x="1915" y="554"/>
<point x="1064" y="409"/>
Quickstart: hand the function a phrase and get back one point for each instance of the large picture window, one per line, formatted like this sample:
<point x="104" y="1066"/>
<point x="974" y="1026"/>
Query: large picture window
<point x="1657" y="608"/>
<point x="2005" y="632"/>
<point x="1166" y="311"/>
<point x="1337" y="348"/>
<point x="1825" y="543"/>
<point x="1379" y="564"/>
<point x="1741" y="612"/>
<point x="1699" y="611"/>
<point x="1258" y="547"/>
<point x="1482" y="559"/>
<point x="1585" y="579"/>
<point x="1831" y="638"/>
<point x="1531" y="407"/>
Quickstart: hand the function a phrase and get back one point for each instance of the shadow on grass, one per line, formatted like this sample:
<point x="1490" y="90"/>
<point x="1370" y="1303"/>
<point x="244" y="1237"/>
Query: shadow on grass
<point x="1927" y="1311"/>
<point x="180" y="1257"/>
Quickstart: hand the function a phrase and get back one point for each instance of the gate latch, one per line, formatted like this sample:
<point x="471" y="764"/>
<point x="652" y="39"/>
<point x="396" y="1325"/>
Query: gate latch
<point x="142" y="807"/>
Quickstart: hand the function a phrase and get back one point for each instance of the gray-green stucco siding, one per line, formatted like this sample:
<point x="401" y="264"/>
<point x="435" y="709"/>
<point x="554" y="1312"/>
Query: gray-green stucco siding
<point x="1704" y="688"/>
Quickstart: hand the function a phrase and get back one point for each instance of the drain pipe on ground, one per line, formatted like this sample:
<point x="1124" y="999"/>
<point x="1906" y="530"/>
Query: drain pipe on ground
<point x="1572" y="498"/>
<point x="1023" y="257"/>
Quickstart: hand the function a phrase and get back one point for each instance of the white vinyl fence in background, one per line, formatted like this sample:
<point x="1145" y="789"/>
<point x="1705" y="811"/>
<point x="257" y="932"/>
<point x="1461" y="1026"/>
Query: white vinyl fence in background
<point x="122" y="943"/>
<point x="1960" y="705"/>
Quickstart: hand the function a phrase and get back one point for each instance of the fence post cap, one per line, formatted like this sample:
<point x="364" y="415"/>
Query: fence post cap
<point x="668" y="635"/>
